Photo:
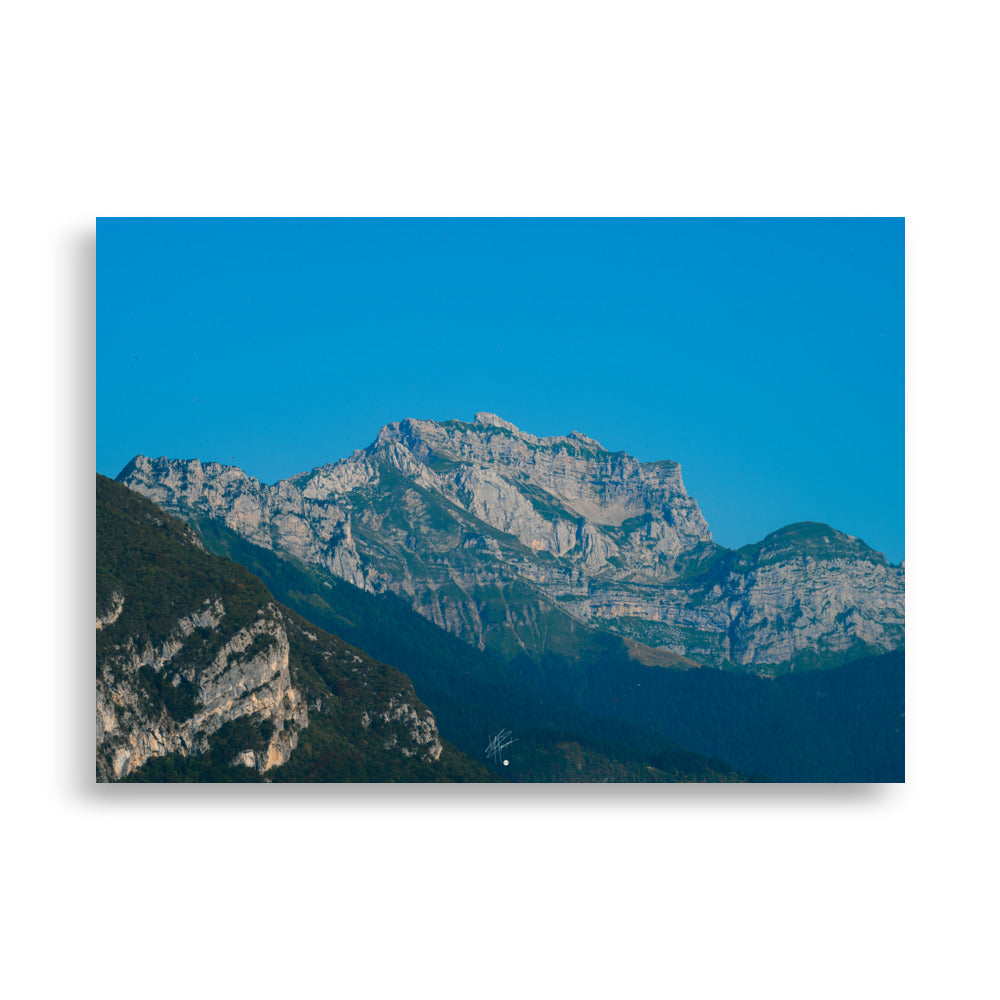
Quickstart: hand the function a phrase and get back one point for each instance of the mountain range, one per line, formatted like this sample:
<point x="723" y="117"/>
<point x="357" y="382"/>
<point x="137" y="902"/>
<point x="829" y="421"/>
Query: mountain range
<point x="203" y="676"/>
<point x="524" y="545"/>
<point x="541" y="585"/>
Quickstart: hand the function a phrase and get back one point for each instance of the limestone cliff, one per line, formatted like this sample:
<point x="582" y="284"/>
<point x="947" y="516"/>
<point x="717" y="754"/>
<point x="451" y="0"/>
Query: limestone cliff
<point x="508" y="539"/>
<point x="247" y="678"/>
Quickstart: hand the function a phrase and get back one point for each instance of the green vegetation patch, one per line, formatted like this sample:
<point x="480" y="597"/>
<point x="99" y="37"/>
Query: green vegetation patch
<point x="239" y="735"/>
<point x="175" y="768"/>
<point x="153" y="561"/>
<point x="167" y="689"/>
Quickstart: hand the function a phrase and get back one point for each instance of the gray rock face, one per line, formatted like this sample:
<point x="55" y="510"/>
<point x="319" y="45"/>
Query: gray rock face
<point x="763" y="615"/>
<point x="498" y="536"/>
<point x="247" y="677"/>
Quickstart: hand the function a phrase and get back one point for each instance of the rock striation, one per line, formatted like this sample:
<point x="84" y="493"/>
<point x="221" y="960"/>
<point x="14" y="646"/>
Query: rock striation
<point x="514" y="541"/>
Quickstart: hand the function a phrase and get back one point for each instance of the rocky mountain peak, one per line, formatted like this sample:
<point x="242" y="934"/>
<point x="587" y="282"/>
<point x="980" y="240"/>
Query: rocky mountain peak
<point x="492" y="420"/>
<point x="812" y="540"/>
<point x="583" y="439"/>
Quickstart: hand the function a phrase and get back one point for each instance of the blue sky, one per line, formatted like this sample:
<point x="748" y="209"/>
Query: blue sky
<point x="764" y="355"/>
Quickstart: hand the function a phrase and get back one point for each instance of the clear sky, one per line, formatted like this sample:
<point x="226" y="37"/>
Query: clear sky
<point x="766" y="356"/>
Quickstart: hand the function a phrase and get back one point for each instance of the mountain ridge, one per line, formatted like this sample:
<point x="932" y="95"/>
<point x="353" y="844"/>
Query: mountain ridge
<point x="514" y="542"/>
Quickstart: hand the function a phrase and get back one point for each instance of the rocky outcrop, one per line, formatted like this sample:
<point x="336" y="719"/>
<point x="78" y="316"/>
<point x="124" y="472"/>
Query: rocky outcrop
<point x="419" y="731"/>
<point x="195" y="660"/>
<point x="490" y="531"/>
<point x="111" y="615"/>
<point x="247" y="677"/>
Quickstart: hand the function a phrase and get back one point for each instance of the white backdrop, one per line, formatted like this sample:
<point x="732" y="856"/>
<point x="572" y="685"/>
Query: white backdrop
<point x="538" y="108"/>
